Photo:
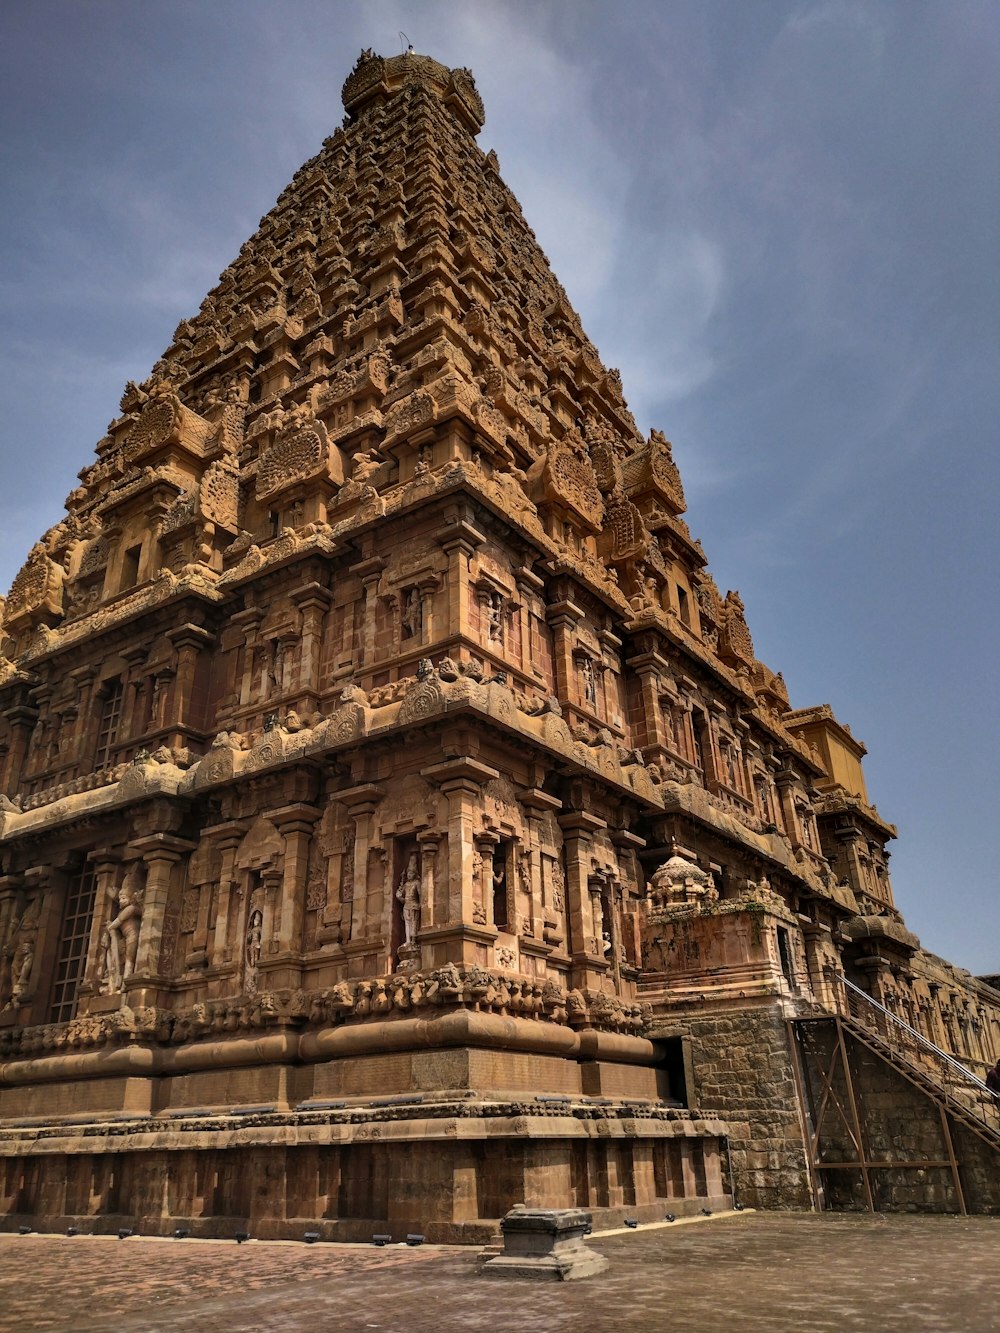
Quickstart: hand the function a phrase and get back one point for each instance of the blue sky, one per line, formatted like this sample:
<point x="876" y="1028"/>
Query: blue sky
<point x="778" y="219"/>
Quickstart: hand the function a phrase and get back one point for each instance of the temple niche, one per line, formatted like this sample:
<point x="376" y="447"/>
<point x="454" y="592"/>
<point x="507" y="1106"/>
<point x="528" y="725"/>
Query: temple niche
<point x="389" y="793"/>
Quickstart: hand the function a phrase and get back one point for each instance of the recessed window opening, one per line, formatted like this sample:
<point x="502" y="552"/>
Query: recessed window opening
<point x="71" y="959"/>
<point x="107" y="727"/>
<point x="785" y="956"/>
<point x="699" y="733"/>
<point x="501" y="911"/>
<point x="130" y="567"/>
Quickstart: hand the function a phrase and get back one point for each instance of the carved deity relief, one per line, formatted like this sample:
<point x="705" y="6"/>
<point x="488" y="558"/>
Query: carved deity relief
<point x="408" y="895"/>
<point x="493" y="616"/>
<point x="18" y="958"/>
<point x="589" y="679"/>
<point x="251" y="950"/>
<point x="123" y="931"/>
<point x="413" y="615"/>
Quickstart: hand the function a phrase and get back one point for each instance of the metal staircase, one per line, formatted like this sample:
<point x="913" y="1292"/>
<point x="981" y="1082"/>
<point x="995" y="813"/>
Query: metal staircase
<point x="959" y="1096"/>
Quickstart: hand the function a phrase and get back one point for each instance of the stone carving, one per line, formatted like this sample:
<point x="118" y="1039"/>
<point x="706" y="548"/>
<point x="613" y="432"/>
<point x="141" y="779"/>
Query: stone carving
<point x="124" y="928"/>
<point x="734" y="636"/>
<point x="651" y="478"/>
<point x="95" y="556"/>
<point x="493" y="614"/>
<point x="413" y="615"/>
<point x="252" y="950"/>
<point x="165" y="420"/>
<point x="37" y="589"/>
<point x="301" y="451"/>
<point x="219" y="495"/>
<point x="418" y="410"/>
<point x="21" y="963"/>
<point x="424" y="698"/>
<point x="681" y="881"/>
<point x="565" y="477"/>
<point x="408" y="893"/>
<point x="623" y="524"/>
<point x="189" y="911"/>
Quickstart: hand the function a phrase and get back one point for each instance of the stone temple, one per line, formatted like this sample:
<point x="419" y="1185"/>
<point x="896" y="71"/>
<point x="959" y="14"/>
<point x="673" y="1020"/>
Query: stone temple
<point x="397" y="823"/>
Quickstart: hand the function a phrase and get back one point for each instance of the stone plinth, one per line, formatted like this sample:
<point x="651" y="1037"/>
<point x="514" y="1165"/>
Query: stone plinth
<point x="547" y="1244"/>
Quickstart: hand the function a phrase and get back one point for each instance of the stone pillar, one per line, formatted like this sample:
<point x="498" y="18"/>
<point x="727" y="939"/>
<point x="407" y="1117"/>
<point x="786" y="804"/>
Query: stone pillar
<point x="647" y="668"/>
<point x="294" y="823"/>
<point x="428" y="841"/>
<point x="820" y="955"/>
<point x="784" y="781"/>
<point x="459" y="540"/>
<point x="160" y="852"/>
<point x="21" y="723"/>
<point x="369" y="572"/>
<point x="189" y="641"/>
<point x="362" y="802"/>
<point x="589" y="968"/>
<point x="106" y="871"/>
<point x="547" y="914"/>
<point x="83" y="682"/>
<point x="313" y="602"/>
<point x="228" y="837"/>
<point x="485" y="842"/>
<point x="563" y="618"/>
<point x="132" y="692"/>
<point x="427" y="587"/>
<point x="460" y="781"/>
<point x="271" y="880"/>
<point x="529" y="586"/>
<point x="249" y="622"/>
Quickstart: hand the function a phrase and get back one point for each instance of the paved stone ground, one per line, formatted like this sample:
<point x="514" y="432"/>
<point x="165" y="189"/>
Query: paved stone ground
<point x="751" y="1273"/>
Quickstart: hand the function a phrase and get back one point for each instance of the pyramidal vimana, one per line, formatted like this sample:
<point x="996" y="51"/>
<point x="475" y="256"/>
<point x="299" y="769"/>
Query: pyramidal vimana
<point x="397" y="823"/>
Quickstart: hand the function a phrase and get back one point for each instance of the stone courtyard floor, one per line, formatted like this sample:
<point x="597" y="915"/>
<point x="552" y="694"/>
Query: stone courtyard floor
<point x="749" y="1272"/>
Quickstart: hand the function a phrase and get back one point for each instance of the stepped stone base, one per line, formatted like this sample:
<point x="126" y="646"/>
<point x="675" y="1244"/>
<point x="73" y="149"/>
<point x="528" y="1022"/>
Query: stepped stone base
<point x="546" y="1245"/>
<point x="448" y="1167"/>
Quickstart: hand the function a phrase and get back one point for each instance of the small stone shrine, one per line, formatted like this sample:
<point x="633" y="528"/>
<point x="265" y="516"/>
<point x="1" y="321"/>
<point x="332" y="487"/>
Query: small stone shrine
<point x="397" y="824"/>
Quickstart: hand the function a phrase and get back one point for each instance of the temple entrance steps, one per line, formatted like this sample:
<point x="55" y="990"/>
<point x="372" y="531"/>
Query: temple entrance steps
<point x="893" y="1122"/>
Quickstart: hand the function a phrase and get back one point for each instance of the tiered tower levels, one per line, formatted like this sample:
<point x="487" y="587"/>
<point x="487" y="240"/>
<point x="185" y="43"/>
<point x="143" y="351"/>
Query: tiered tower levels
<point x="373" y="694"/>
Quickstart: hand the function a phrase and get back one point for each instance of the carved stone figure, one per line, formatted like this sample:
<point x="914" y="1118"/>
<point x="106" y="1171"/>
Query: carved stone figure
<point x="413" y="615"/>
<point x="123" y="930"/>
<point x="494" y="617"/>
<point x="20" y="969"/>
<point x="408" y="893"/>
<point x="255" y="927"/>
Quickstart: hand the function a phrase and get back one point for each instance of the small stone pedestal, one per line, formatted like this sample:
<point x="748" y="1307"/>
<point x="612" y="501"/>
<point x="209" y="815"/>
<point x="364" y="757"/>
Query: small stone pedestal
<point x="545" y="1243"/>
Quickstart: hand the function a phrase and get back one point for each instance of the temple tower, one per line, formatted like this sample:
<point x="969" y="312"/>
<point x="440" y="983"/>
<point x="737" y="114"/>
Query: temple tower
<point x="385" y="775"/>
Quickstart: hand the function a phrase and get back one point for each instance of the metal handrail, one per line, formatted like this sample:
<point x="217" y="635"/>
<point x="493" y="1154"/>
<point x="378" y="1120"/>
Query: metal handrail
<point x="895" y="1026"/>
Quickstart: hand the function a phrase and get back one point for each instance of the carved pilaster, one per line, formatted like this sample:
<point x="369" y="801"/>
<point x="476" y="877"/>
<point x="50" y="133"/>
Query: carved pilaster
<point x="589" y="966"/>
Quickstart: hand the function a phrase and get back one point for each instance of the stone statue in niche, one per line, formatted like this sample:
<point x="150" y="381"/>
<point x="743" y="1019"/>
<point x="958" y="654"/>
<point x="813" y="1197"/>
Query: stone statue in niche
<point x="589" y="682"/>
<point x="500" y="889"/>
<point x="413" y="615"/>
<point x="408" y="893"/>
<point x="123" y="931"/>
<point x="493" y="608"/>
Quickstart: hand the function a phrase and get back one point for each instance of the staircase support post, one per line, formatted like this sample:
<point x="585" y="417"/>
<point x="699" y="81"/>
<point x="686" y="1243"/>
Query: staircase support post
<point x="949" y="1144"/>
<point x="815" y="1185"/>
<point x="862" y="1150"/>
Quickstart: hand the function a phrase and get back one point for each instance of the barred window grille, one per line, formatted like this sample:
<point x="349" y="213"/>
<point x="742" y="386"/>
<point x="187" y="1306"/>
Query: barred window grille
<point x="72" y="957"/>
<point x="107" y="729"/>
